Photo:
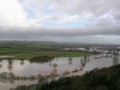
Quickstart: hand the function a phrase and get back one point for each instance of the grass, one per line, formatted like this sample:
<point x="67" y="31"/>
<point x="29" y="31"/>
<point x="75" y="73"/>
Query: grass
<point x="29" y="53"/>
<point x="13" y="50"/>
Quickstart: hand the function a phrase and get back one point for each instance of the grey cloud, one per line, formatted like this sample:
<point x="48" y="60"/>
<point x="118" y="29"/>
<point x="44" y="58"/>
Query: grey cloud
<point x="97" y="7"/>
<point x="113" y="29"/>
<point x="109" y="34"/>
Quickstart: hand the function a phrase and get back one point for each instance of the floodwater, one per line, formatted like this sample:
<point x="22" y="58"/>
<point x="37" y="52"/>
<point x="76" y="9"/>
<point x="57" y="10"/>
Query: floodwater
<point x="61" y="66"/>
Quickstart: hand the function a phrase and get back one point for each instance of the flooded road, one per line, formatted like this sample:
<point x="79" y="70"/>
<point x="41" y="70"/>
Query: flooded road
<point x="62" y="66"/>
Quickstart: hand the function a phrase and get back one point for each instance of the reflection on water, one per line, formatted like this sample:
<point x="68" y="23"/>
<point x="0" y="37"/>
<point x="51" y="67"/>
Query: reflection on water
<point x="21" y="72"/>
<point x="70" y="61"/>
<point x="10" y="65"/>
<point x="22" y="62"/>
<point x="116" y="59"/>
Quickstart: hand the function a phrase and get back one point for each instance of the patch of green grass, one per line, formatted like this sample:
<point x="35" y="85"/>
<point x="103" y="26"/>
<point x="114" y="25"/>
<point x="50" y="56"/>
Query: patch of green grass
<point x="13" y="50"/>
<point x="29" y="55"/>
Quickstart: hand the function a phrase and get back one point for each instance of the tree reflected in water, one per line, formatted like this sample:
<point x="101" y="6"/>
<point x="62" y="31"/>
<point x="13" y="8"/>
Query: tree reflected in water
<point x="83" y="61"/>
<point x="53" y="74"/>
<point x="21" y="62"/>
<point x="10" y="65"/>
<point x="116" y="59"/>
<point x="70" y="61"/>
<point x="0" y="65"/>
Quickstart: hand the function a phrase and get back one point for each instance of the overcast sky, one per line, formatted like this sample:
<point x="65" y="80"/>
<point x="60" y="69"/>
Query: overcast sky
<point x="89" y="21"/>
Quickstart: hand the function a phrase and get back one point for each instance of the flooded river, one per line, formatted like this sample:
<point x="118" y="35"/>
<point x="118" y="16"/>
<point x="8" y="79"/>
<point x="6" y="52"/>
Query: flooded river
<point x="25" y="71"/>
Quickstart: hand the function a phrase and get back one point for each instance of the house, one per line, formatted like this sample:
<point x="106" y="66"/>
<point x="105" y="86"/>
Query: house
<point x="75" y="49"/>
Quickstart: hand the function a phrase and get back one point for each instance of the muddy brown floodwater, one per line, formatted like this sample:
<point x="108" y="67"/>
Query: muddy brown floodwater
<point x="62" y="66"/>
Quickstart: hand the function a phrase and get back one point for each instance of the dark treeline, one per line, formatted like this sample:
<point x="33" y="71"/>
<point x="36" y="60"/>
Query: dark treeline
<point x="50" y="45"/>
<point x="104" y="79"/>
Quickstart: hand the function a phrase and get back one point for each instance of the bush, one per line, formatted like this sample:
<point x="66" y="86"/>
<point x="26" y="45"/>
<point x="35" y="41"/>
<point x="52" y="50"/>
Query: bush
<point x="40" y="59"/>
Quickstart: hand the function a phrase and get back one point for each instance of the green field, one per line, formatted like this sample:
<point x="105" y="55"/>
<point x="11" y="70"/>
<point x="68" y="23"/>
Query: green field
<point x="13" y="50"/>
<point x="29" y="53"/>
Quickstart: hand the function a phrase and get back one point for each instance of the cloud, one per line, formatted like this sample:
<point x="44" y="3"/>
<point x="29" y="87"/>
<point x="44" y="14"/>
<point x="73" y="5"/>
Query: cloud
<point x="82" y="8"/>
<point x="59" y="20"/>
<point x="100" y="34"/>
<point x="37" y="12"/>
<point x="8" y="13"/>
<point x="12" y="14"/>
